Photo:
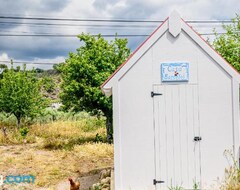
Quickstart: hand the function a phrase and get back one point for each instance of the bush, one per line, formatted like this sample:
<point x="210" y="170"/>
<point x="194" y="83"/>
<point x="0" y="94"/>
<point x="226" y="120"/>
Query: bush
<point x="24" y="131"/>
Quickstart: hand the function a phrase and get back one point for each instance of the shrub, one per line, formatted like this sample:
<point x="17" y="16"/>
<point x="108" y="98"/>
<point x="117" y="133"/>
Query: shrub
<point x="24" y="131"/>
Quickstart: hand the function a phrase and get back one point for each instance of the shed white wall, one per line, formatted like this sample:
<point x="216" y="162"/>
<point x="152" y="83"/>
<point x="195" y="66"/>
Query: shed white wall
<point x="133" y="112"/>
<point x="136" y="127"/>
<point x="216" y="118"/>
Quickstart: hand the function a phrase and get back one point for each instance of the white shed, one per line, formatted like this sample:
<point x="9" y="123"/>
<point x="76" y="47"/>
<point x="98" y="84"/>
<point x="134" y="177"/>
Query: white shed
<point x="175" y="112"/>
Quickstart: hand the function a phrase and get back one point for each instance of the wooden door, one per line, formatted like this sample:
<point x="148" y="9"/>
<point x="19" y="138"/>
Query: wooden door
<point x="177" y="136"/>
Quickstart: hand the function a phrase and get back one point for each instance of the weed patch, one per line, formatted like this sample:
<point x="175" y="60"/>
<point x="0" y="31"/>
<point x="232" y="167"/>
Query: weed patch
<point x="231" y="179"/>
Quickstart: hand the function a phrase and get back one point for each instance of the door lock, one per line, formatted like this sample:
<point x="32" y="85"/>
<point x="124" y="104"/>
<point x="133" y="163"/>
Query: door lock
<point x="197" y="138"/>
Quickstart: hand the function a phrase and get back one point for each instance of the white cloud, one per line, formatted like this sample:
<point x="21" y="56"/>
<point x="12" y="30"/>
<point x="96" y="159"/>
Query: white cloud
<point x="4" y="57"/>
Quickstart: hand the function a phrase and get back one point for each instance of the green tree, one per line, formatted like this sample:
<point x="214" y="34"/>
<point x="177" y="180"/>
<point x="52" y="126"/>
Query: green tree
<point x="20" y="94"/>
<point x="228" y="45"/>
<point x="84" y="72"/>
<point x="48" y="84"/>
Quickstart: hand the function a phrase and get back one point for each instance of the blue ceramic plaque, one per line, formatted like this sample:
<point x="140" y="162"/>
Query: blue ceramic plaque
<point x="172" y="72"/>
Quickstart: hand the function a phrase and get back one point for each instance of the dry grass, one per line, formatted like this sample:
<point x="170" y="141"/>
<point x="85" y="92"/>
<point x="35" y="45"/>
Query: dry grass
<point x="60" y="134"/>
<point x="56" y="151"/>
<point x="64" y="135"/>
<point x="68" y="128"/>
<point x="13" y="137"/>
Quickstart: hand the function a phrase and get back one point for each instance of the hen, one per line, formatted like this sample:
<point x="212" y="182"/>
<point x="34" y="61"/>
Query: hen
<point x="74" y="185"/>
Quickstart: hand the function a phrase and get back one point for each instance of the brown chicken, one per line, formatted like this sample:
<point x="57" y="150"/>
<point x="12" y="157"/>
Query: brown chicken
<point x="74" y="185"/>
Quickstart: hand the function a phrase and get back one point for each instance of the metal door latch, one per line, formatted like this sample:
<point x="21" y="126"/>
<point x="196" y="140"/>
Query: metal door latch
<point x="155" y="182"/>
<point x="197" y="138"/>
<point x="155" y="94"/>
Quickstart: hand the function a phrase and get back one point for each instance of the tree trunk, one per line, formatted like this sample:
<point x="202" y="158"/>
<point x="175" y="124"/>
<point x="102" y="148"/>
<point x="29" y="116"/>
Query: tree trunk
<point x="18" y="121"/>
<point x="109" y="126"/>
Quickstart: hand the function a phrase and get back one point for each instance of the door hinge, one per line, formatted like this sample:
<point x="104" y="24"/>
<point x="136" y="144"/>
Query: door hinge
<point x="155" y="94"/>
<point x="155" y="182"/>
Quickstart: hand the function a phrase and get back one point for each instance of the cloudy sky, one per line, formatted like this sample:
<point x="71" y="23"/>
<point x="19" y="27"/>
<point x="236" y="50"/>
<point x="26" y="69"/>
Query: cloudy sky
<point x="54" y="49"/>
